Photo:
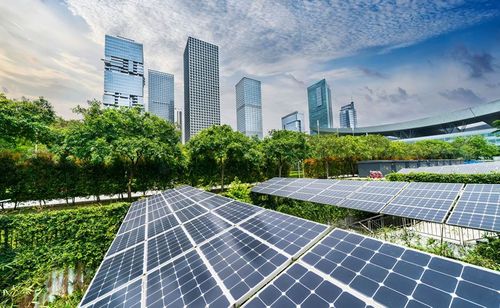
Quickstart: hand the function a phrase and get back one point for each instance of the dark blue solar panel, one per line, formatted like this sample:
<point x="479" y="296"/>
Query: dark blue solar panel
<point x="167" y="246"/>
<point x="132" y="224"/>
<point x="161" y="225"/>
<point x="214" y="202"/>
<point x="241" y="261"/>
<point x="126" y="240"/>
<point x="478" y="207"/>
<point x="116" y="271"/>
<point x="288" y="233"/>
<point x="129" y="296"/>
<point x="299" y="287"/>
<point x="395" y="276"/>
<point x="237" y="211"/>
<point x="184" y="283"/>
<point x="190" y="212"/>
<point x="205" y="227"/>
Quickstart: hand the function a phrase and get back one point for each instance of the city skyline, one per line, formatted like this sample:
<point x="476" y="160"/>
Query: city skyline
<point x="388" y="62"/>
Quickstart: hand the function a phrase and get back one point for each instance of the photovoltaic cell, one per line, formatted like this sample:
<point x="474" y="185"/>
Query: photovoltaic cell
<point x="214" y="202"/>
<point x="167" y="246"/>
<point x="397" y="277"/>
<point x="126" y="240"/>
<point x="478" y="207"/>
<point x="424" y="201"/>
<point x="115" y="272"/>
<point x="190" y="212"/>
<point x="288" y="233"/>
<point x="186" y="282"/>
<point x="241" y="261"/>
<point x="127" y="297"/>
<point x="299" y="287"/>
<point x="162" y="224"/>
<point x="205" y="227"/>
<point x="237" y="211"/>
<point x="132" y="224"/>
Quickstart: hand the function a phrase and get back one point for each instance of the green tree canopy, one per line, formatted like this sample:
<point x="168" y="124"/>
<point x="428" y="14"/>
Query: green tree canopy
<point x="285" y="147"/>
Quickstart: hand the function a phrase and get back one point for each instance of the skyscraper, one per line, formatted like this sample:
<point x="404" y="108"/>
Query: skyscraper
<point x="161" y="94"/>
<point x="348" y="118"/>
<point x="293" y="121"/>
<point x="123" y="73"/>
<point x="201" y="86"/>
<point x="249" y="107"/>
<point x="320" y="106"/>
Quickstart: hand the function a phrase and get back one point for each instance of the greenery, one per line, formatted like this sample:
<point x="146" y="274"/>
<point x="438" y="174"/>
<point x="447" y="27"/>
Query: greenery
<point x="486" y="178"/>
<point x="32" y="245"/>
<point x="239" y="191"/>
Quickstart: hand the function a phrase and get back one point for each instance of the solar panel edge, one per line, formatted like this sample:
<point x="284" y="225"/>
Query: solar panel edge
<point x="111" y="292"/>
<point x="102" y="262"/>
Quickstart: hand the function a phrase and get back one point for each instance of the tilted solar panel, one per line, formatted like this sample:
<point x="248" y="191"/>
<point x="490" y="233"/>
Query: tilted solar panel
<point x="373" y="196"/>
<point x="478" y="207"/>
<point x="424" y="201"/>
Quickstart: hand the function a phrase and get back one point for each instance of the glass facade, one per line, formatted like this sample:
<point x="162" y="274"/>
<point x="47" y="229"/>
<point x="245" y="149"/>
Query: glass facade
<point x="348" y="117"/>
<point x="249" y="107"/>
<point x="201" y="86"/>
<point x="123" y="73"/>
<point x="320" y="105"/>
<point x="293" y="121"/>
<point x="161" y="94"/>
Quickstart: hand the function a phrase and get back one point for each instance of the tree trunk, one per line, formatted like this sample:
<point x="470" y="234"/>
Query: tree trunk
<point x="326" y="166"/>
<point x="222" y="177"/>
<point x="279" y="170"/>
<point x="129" y="185"/>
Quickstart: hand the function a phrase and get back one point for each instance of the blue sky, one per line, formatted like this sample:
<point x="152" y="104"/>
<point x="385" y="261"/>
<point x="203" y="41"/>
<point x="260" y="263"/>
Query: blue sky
<point x="398" y="60"/>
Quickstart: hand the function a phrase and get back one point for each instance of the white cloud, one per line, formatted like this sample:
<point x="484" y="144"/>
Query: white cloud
<point x="47" y="51"/>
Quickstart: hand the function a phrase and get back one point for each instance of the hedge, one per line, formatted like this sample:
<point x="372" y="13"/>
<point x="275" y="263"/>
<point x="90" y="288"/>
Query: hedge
<point x="33" y="245"/>
<point x="485" y="178"/>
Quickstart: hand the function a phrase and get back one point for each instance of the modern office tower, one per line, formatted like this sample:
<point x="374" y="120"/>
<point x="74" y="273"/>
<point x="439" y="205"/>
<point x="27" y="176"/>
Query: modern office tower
<point x="161" y="94"/>
<point x="293" y="121"/>
<point x="123" y="73"/>
<point x="249" y="107"/>
<point x="320" y="106"/>
<point x="201" y="86"/>
<point x="178" y="118"/>
<point x="348" y="118"/>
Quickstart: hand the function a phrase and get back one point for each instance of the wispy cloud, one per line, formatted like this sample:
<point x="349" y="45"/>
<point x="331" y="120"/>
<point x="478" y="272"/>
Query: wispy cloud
<point x="462" y="95"/>
<point x="478" y="63"/>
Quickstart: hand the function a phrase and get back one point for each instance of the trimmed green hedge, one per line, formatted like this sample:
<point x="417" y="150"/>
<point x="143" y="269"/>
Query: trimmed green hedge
<point x="32" y="245"/>
<point x="485" y="178"/>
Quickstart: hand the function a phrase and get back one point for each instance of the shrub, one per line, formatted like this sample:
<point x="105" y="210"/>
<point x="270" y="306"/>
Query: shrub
<point x="485" y="178"/>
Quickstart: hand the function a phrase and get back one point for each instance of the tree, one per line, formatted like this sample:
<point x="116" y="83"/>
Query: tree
<point x="125" y="134"/>
<point x="322" y="149"/>
<point x="285" y="147"/>
<point x="474" y="147"/>
<point x="222" y="151"/>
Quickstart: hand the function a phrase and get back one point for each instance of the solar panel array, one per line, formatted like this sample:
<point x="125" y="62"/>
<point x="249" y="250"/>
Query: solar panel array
<point x="472" y="206"/>
<point x="187" y="247"/>
<point x="261" y="258"/>
<point x="476" y="168"/>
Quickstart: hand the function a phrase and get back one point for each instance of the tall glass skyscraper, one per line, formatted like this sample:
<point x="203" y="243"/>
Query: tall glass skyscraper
<point x="249" y="107"/>
<point x="320" y="106"/>
<point x="161" y="95"/>
<point x="201" y="86"/>
<point x="293" y="121"/>
<point x="348" y="117"/>
<point x="123" y="73"/>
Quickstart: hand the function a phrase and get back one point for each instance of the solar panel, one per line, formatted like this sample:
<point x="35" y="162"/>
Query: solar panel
<point x="237" y="211"/>
<point x="190" y="212"/>
<point x="424" y="201"/>
<point x="372" y="196"/>
<point x="241" y="261"/>
<point x="478" y="207"/>
<point x="288" y="233"/>
<point x="214" y="202"/>
<point x="166" y="246"/>
<point x="128" y="296"/>
<point x="127" y="239"/>
<point x="398" y="277"/>
<point x="204" y="227"/>
<point x="162" y="224"/>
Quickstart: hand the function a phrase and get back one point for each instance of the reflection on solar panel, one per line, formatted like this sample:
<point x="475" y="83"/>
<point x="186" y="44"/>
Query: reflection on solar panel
<point x="373" y="196"/>
<point x="478" y="207"/>
<point x="232" y="253"/>
<point x="424" y="201"/>
<point x="394" y="276"/>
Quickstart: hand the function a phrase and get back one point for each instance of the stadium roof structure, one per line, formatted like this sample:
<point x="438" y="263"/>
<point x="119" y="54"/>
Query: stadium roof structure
<point x="436" y="125"/>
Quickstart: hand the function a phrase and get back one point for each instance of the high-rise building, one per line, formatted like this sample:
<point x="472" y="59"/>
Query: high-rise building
<point x="320" y="106"/>
<point x="249" y="107"/>
<point x="178" y="119"/>
<point x="293" y="121"/>
<point x="161" y="94"/>
<point x="123" y="73"/>
<point x="201" y="86"/>
<point x="348" y="118"/>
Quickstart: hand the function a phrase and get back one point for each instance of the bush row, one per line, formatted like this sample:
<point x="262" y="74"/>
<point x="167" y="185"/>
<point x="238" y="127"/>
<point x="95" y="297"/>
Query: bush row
<point x="486" y="178"/>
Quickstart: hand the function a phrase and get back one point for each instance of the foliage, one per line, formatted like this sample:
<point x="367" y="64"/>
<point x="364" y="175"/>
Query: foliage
<point x="284" y="148"/>
<point x="34" y="244"/>
<point x="486" y="178"/>
<point x="219" y="153"/>
<point x="475" y="147"/>
<point x="485" y="253"/>
<point x="239" y="191"/>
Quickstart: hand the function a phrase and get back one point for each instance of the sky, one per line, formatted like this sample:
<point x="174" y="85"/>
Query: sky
<point x="397" y="60"/>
